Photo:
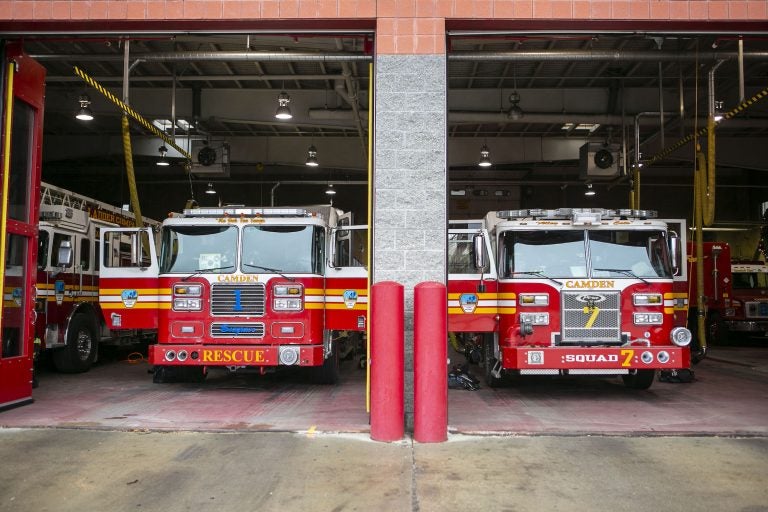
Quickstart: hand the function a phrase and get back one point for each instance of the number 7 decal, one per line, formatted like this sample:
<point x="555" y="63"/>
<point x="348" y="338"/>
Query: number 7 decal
<point x="592" y="317"/>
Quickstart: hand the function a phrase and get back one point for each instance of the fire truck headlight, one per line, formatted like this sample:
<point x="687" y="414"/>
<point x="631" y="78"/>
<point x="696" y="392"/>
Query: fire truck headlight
<point x="170" y="355"/>
<point x="663" y="357"/>
<point x="287" y="305"/>
<point x="190" y="290"/>
<point x="289" y="355"/>
<point x="648" y="318"/>
<point x="187" y="304"/>
<point x="534" y="299"/>
<point x="534" y="318"/>
<point x="287" y="290"/>
<point x="680" y="336"/>
<point x="647" y="299"/>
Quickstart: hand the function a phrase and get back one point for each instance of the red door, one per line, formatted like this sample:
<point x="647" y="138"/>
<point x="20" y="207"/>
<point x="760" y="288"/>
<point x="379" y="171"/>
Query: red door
<point x="23" y="83"/>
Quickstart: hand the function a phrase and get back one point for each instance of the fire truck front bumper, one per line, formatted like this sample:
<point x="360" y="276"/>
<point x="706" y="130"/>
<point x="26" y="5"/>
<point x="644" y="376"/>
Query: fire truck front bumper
<point x="594" y="360"/>
<point x="236" y="355"/>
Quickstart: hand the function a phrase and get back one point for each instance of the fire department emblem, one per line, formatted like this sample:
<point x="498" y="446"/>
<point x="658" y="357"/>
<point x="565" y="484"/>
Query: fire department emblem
<point x="468" y="302"/>
<point x="58" y="291"/>
<point x="350" y="298"/>
<point x="535" y="357"/>
<point x="17" y="295"/>
<point x="129" y="297"/>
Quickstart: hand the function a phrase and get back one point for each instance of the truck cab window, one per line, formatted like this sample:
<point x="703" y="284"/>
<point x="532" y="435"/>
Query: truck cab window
<point x="290" y="249"/>
<point x="188" y="249"/>
<point x="58" y="238"/>
<point x="43" y="242"/>
<point x="85" y="254"/>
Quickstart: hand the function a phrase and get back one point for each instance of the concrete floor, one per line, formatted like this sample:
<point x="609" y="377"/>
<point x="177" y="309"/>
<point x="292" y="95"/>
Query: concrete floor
<point x="110" y="440"/>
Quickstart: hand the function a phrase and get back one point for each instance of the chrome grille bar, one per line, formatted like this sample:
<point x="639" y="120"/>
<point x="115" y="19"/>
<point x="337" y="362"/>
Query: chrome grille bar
<point x="578" y="324"/>
<point x="238" y="299"/>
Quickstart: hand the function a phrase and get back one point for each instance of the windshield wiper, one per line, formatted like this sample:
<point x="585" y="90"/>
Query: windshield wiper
<point x="537" y="274"/>
<point x="205" y="271"/>
<point x="276" y="271"/>
<point x="624" y="271"/>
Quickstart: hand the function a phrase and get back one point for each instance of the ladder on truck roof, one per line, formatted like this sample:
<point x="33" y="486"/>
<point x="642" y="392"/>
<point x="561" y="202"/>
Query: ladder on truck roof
<point x="51" y="195"/>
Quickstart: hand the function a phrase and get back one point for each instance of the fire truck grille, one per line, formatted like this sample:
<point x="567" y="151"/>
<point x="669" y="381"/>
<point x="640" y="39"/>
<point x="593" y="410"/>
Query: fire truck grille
<point x="238" y="299"/>
<point x="237" y="330"/>
<point x="591" y="317"/>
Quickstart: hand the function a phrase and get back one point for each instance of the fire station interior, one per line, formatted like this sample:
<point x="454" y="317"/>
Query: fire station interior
<point x="535" y="107"/>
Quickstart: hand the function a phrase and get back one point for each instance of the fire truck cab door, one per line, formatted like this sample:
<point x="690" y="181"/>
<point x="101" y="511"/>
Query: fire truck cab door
<point x="346" y="294"/>
<point x="128" y="279"/>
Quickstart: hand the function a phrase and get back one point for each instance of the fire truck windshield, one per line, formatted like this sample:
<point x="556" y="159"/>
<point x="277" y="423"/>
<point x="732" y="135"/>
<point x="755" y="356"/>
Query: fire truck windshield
<point x="611" y="253"/>
<point x="194" y="249"/>
<point x="294" y="249"/>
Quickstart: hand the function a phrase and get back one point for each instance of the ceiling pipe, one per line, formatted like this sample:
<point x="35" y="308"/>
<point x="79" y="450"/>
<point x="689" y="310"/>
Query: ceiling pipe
<point x="247" y="56"/>
<point x="352" y="99"/>
<point x="198" y="78"/>
<point x="469" y="117"/>
<point x="600" y="55"/>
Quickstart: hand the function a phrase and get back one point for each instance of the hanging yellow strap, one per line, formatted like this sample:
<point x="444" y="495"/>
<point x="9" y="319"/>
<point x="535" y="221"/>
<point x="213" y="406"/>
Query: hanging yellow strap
<point x="127" y="110"/>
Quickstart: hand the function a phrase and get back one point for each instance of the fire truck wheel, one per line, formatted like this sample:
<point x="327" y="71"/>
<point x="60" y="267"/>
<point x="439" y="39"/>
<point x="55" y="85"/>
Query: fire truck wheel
<point x="489" y="362"/>
<point x="640" y="379"/>
<point x="80" y="352"/>
<point x="329" y="372"/>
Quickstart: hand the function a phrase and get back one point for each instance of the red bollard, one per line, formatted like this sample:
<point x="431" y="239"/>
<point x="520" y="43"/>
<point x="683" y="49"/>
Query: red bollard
<point x="430" y="363"/>
<point x="387" y="361"/>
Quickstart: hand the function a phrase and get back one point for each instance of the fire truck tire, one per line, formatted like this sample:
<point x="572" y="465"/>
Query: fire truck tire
<point x="640" y="379"/>
<point x="329" y="372"/>
<point x="489" y="362"/>
<point x="80" y="351"/>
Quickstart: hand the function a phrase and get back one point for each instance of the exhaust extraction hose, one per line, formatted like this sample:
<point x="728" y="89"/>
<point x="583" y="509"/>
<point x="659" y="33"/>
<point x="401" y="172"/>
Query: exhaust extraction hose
<point x="130" y="172"/>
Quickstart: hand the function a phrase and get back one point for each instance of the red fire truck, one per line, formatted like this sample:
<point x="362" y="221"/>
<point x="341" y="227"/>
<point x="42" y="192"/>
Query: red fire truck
<point x="578" y="292"/>
<point x="70" y="321"/>
<point x="241" y="288"/>
<point x="749" y="312"/>
<point x="716" y="293"/>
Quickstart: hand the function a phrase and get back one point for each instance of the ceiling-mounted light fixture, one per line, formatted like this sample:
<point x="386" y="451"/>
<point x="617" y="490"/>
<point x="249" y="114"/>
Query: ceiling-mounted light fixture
<point x="719" y="112"/>
<point x="283" y="111"/>
<point x="163" y="162"/>
<point x="589" y="191"/>
<point x="515" y="112"/>
<point x="330" y="190"/>
<point x="84" y="113"/>
<point x="485" y="157"/>
<point x="210" y="189"/>
<point x="312" y="156"/>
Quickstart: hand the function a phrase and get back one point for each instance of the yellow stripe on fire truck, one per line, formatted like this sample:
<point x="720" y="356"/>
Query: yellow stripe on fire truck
<point x="145" y="298"/>
<point x="675" y="301"/>
<point x="336" y="298"/>
<point x="484" y="303"/>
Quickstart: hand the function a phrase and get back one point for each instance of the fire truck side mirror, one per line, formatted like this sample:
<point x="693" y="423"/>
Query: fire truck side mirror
<point x="65" y="254"/>
<point x="478" y="246"/>
<point x="675" y="250"/>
